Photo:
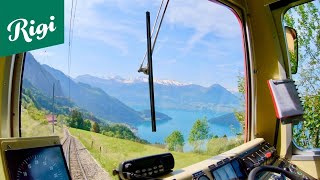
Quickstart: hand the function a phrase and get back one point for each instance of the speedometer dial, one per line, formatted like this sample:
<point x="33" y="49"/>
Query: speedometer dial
<point x="38" y="167"/>
<point x="45" y="163"/>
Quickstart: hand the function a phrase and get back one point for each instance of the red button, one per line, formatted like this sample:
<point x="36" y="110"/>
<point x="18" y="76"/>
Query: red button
<point x="268" y="154"/>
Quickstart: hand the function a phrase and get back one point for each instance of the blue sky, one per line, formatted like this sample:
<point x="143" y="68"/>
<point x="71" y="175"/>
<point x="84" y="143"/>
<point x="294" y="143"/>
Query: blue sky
<point x="200" y="41"/>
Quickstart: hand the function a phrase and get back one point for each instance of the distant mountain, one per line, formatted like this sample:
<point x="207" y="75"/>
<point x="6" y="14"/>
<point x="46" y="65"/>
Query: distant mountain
<point x="83" y="95"/>
<point x="96" y="100"/>
<point x="168" y="93"/>
<point x="42" y="101"/>
<point x="225" y="120"/>
<point x="218" y="94"/>
<point x="39" y="77"/>
<point x="62" y="105"/>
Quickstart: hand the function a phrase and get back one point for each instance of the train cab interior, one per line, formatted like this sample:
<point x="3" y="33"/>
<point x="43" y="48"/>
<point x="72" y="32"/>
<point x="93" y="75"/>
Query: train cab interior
<point x="271" y="148"/>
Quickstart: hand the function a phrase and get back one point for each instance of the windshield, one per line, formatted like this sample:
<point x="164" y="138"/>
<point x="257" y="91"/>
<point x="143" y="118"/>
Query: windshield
<point x="91" y="85"/>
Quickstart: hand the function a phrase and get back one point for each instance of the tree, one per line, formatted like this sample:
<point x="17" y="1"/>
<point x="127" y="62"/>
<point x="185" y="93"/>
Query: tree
<point x="307" y="134"/>
<point x="76" y="119"/>
<point x="96" y="127"/>
<point x="305" y="19"/>
<point x="240" y="114"/>
<point x="198" y="134"/>
<point x="120" y="131"/>
<point x="87" y="125"/>
<point x="175" y="141"/>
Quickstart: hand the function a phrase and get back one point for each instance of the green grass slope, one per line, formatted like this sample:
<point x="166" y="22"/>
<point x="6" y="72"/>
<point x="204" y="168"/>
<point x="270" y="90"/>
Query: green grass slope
<point x="111" y="151"/>
<point x="35" y="127"/>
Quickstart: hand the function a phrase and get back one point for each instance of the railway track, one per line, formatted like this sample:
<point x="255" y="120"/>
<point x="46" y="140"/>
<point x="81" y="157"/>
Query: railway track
<point x="72" y="157"/>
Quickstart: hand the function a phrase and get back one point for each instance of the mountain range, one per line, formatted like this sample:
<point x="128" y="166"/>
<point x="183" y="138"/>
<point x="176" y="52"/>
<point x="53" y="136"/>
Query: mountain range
<point x="115" y="99"/>
<point x="39" y="77"/>
<point x="169" y="94"/>
<point x="83" y="95"/>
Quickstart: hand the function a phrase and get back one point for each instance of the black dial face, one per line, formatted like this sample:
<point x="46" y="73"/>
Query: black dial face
<point x="38" y="166"/>
<point x="37" y="163"/>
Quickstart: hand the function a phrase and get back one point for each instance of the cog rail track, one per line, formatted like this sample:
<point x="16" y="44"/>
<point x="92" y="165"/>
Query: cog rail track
<point x="72" y="158"/>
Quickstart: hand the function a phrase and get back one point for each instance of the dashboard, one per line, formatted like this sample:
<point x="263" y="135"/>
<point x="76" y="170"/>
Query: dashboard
<point x="238" y="163"/>
<point x="239" y="166"/>
<point x="42" y="158"/>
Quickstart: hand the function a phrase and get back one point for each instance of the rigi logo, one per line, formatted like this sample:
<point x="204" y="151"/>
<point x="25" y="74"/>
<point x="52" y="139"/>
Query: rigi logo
<point x="33" y="25"/>
<point x="21" y="26"/>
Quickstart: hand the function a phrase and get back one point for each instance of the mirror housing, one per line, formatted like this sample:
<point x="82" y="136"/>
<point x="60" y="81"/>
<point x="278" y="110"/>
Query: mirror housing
<point x="292" y="46"/>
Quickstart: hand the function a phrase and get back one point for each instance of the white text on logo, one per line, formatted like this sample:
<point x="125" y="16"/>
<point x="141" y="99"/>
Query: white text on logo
<point x="20" y="25"/>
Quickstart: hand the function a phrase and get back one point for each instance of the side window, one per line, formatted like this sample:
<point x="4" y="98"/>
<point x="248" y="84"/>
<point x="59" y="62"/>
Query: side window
<point x="305" y="20"/>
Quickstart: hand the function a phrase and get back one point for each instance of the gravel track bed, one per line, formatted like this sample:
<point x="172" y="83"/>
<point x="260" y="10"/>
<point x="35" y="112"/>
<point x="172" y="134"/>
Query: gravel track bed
<point x="92" y="169"/>
<point x="75" y="168"/>
<point x="75" y="151"/>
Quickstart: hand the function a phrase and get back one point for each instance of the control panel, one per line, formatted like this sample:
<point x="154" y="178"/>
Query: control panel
<point x="263" y="154"/>
<point x="234" y="164"/>
<point x="239" y="167"/>
<point x="146" y="167"/>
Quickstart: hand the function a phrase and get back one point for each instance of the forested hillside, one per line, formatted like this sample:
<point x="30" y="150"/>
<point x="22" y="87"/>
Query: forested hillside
<point x="37" y="106"/>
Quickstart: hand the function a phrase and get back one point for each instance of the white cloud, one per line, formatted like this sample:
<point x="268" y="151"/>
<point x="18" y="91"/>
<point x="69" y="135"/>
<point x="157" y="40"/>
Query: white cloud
<point x="110" y="40"/>
<point x="202" y="16"/>
<point x="90" y="23"/>
<point x="205" y="18"/>
<point x="132" y="6"/>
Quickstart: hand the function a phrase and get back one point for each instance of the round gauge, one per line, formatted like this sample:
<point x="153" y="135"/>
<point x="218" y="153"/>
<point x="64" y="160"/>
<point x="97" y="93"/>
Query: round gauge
<point x="38" y="167"/>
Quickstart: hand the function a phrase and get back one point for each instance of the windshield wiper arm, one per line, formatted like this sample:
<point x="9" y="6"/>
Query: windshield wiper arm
<point x="150" y="73"/>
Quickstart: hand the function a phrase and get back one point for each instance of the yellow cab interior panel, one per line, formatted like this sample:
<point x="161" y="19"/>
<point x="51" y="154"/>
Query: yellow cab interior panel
<point x="266" y="57"/>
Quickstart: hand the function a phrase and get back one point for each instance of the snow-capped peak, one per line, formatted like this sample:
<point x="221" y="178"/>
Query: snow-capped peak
<point x="145" y="80"/>
<point x="135" y="80"/>
<point x="171" y="82"/>
<point x="115" y="78"/>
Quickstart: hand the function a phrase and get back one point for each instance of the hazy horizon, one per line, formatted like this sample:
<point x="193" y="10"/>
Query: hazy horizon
<point x="141" y="77"/>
